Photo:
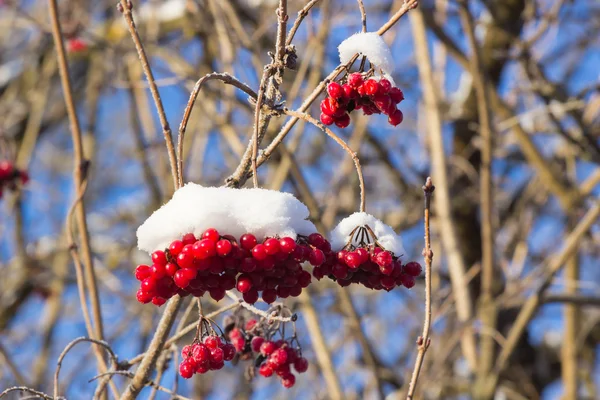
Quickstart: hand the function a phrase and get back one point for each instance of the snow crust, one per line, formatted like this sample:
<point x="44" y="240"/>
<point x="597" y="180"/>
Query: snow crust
<point x="368" y="44"/>
<point x="194" y="208"/>
<point x="386" y="236"/>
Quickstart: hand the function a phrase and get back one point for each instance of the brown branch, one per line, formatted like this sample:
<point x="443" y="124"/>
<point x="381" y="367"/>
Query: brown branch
<point x="301" y="15"/>
<point x="487" y="309"/>
<point x="329" y="132"/>
<point x="424" y="341"/>
<point x="150" y="383"/>
<point x="125" y="6"/>
<point x="25" y="389"/>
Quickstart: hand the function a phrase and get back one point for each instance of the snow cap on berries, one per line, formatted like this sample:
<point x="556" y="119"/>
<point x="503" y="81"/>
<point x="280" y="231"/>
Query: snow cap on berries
<point x="195" y="208"/>
<point x="370" y="45"/>
<point x="385" y="234"/>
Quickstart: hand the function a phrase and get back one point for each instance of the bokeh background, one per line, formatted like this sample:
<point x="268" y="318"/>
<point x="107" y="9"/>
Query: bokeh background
<point x="540" y="61"/>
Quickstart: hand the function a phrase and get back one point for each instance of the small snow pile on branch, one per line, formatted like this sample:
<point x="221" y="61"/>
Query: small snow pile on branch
<point x="370" y="45"/>
<point x="342" y="234"/>
<point x="194" y="209"/>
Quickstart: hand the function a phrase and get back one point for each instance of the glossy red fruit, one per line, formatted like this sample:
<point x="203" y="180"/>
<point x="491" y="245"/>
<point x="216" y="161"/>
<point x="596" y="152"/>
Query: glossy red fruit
<point x="148" y="285"/>
<point x="271" y="246"/>
<point x="363" y="255"/>
<point x="316" y="239"/>
<point x="384" y="85"/>
<point x="223" y="247"/>
<point x="396" y="95"/>
<point x="407" y="280"/>
<point x="355" y="80"/>
<point x="143" y="297"/>
<point x="388" y="282"/>
<point x="353" y="259"/>
<point x="329" y="107"/>
<point x="340" y="271"/>
<point x="188" y="238"/>
<point x="171" y="268"/>
<point x="288" y="380"/>
<point x="270" y="295"/>
<point x="200" y="352"/>
<point x="186" y="370"/>
<point x="327" y="119"/>
<point x="316" y="257"/>
<point x="228" y="351"/>
<point x="267" y="348"/>
<point x="244" y="284"/>
<point x="217" y="355"/>
<point x="211" y="234"/>
<point x="335" y="90"/>
<point x="217" y="293"/>
<point x="159" y="271"/>
<point x="159" y="257"/>
<point x="301" y="364"/>
<point x="176" y="247"/>
<point x="383" y="103"/>
<point x="248" y="241"/>
<point x="279" y="357"/>
<point x="142" y="272"/>
<point x="158" y="301"/>
<point x="412" y="268"/>
<point x="212" y="342"/>
<point x="384" y="259"/>
<point x="185" y="260"/>
<point x="371" y="87"/>
<point x="396" y="118"/>
<point x="265" y="370"/>
<point x="251" y="296"/>
<point x="343" y="121"/>
<point x="259" y="252"/>
<point x="287" y="245"/>
<point x="349" y="92"/>
<point x="256" y="342"/>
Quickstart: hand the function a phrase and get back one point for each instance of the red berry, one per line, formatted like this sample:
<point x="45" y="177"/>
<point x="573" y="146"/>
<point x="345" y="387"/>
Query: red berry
<point x="212" y="342"/>
<point x="384" y="259"/>
<point x="211" y="234"/>
<point x="279" y="357"/>
<point x="248" y="241"/>
<point x="259" y="252"/>
<point x="188" y="238"/>
<point x="316" y="239"/>
<point x="176" y="247"/>
<point x="396" y="118"/>
<point x="343" y="121"/>
<point x="288" y="380"/>
<point x="327" y="119"/>
<point x="329" y="107"/>
<point x="228" y="351"/>
<point x="142" y="272"/>
<point x="383" y="103"/>
<point x="349" y="91"/>
<point x="200" y="352"/>
<point x="256" y="342"/>
<point x="353" y="259"/>
<point x="412" y="268"/>
<point x="371" y="87"/>
<point x="171" y="268"/>
<point x="217" y="355"/>
<point x="248" y="265"/>
<point x="270" y="295"/>
<point x="265" y="370"/>
<point x="355" y="80"/>
<point x="244" y="284"/>
<point x="148" y="285"/>
<point x="283" y="292"/>
<point x="316" y="257"/>
<point x="217" y="293"/>
<point x="185" y="260"/>
<point x="301" y="364"/>
<point x="388" y="282"/>
<point x="159" y="257"/>
<point x="239" y="343"/>
<point x="340" y="271"/>
<point x="335" y="90"/>
<point x="223" y="247"/>
<point x="251" y="296"/>
<point x="159" y="271"/>
<point x="385" y="85"/>
<point x="407" y="280"/>
<point x="267" y="348"/>
<point x="183" y="277"/>
<point x="186" y="370"/>
<point x="271" y="246"/>
<point x="287" y="245"/>
<point x="303" y="279"/>
<point x="396" y="95"/>
<point x="363" y="255"/>
<point x="143" y="297"/>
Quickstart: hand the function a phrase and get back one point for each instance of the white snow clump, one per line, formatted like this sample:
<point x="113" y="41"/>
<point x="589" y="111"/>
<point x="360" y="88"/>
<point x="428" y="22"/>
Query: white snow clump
<point x="386" y="236"/>
<point x="370" y="45"/>
<point x="194" y="209"/>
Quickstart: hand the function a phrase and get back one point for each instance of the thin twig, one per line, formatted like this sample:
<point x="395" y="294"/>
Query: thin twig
<point x="150" y="383"/>
<point x="26" y="389"/>
<point x="423" y="342"/>
<point x="270" y="317"/>
<point x="102" y="343"/>
<point x="301" y="15"/>
<point x="329" y="132"/>
<point x="225" y="78"/>
<point x="125" y="6"/>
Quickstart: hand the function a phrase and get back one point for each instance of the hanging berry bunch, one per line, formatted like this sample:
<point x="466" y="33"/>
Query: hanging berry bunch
<point x="215" y="263"/>
<point x="208" y="351"/>
<point x="263" y="340"/>
<point x="363" y="259"/>
<point x="11" y="177"/>
<point x="357" y="93"/>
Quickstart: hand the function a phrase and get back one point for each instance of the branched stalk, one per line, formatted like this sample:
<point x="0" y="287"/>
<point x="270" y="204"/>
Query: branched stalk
<point x="423" y="341"/>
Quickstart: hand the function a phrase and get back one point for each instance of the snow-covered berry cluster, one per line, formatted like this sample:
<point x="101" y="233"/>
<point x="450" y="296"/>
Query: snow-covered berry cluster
<point x="11" y="177"/>
<point x="215" y="263"/>
<point x="370" y="95"/>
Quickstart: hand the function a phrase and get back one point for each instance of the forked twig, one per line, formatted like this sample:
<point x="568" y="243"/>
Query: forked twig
<point x="26" y="389"/>
<point x="424" y="341"/>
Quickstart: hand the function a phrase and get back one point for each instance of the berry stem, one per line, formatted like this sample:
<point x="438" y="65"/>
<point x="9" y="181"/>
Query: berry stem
<point x="424" y="341"/>
<point x="344" y="145"/>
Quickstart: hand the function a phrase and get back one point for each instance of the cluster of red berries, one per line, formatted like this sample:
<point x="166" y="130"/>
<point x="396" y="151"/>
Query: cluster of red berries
<point x="241" y="335"/>
<point x="210" y="355"/>
<point x="215" y="263"/>
<point x="277" y="357"/>
<point x="369" y="265"/>
<point x="10" y="177"/>
<point x="372" y="96"/>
